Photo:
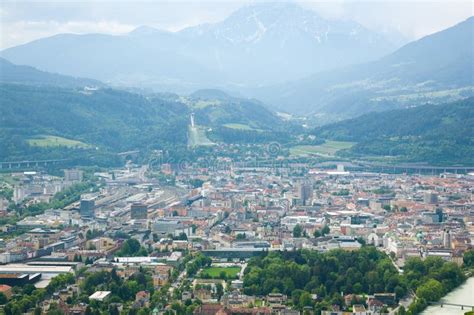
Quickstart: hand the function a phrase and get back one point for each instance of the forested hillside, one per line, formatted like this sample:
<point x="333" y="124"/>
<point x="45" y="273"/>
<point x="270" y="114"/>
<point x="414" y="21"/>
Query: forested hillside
<point x="102" y="120"/>
<point x="235" y="120"/>
<point x="51" y="122"/>
<point x="431" y="133"/>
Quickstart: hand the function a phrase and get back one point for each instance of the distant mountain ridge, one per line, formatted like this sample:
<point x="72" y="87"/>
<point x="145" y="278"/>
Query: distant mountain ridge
<point x="256" y="45"/>
<point x="436" y="68"/>
<point x="12" y="73"/>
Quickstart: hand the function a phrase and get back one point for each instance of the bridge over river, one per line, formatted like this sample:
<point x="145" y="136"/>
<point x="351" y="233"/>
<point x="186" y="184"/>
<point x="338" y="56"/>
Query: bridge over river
<point x="462" y="306"/>
<point x="457" y="302"/>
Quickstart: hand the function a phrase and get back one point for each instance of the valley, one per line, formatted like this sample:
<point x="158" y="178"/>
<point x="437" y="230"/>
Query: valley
<point x="236" y="157"/>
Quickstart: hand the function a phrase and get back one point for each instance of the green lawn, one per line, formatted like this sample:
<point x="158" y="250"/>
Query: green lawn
<point x="329" y="148"/>
<point x="215" y="272"/>
<point x="55" y="141"/>
<point x="239" y="126"/>
<point x="8" y="179"/>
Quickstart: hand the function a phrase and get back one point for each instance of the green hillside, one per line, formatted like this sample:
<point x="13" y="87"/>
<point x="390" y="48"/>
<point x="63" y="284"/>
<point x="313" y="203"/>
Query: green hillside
<point x="441" y="134"/>
<point x="45" y="122"/>
<point x="235" y="120"/>
<point x="50" y="122"/>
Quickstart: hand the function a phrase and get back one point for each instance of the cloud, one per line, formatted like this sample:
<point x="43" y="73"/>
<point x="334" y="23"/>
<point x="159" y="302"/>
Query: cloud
<point x="412" y="19"/>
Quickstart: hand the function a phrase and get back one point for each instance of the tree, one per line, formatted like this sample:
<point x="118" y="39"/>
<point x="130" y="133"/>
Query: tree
<point x="468" y="258"/>
<point x="113" y="310"/>
<point x="54" y="310"/>
<point x="357" y="288"/>
<point x="305" y="299"/>
<point x="196" y="183"/>
<point x="182" y="236"/>
<point x="3" y="299"/>
<point x="28" y="289"/>
<point x="295" y="296"/>
<point x="326" y="230"/>
<point x="219" y="291"/>
<point x="431" y="291"/>
<point x="130" y="247"/>
<point x="240" y="236"/>
<point x="297" y="231"/>
<point x="223" y="275"/>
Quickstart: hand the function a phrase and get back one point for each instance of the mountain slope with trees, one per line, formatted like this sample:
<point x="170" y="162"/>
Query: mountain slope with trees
<point x="91" y="122"/>
<point x="430" y="133"/>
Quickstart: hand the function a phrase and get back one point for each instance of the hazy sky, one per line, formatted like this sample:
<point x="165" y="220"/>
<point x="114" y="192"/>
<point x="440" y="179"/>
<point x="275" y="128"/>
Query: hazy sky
<point x="23" y="21"/>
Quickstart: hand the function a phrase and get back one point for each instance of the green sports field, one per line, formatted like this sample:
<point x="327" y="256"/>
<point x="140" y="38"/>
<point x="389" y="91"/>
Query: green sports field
<point x="329" y="148"/>
<point x="215" y="272"/>
<point x="55" y="141"/>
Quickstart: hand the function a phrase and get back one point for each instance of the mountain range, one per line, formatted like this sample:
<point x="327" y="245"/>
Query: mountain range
<point x="435" y="69"/>
<point x="259" y="44"/>
<point x="399" y="105"/>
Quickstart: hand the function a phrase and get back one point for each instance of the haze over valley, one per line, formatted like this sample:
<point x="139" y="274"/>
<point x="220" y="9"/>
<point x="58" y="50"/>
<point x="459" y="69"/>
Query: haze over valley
<point x="305" y="70"/>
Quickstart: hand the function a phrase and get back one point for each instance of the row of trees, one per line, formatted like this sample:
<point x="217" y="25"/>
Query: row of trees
<point x="131" y="247"/>
<point x="364" y="271"/>
<point x="304" y="273"/>
<point x="431" y="279"/>
<point x="197" y="263"/>
<point x="299" y="232"/>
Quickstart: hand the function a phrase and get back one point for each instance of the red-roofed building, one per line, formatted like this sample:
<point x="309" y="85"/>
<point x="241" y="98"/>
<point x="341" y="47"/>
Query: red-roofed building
<point x="6" y="289"/>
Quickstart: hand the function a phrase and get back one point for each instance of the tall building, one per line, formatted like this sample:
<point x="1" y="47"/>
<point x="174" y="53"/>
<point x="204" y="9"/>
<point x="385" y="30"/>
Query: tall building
<point x="139" y="211"/>
<point x="87" y="207"/>
<point x="73" y="175"/>
<point x="305" y="191"/>
<point x="165" y="227"/>
<point x="430" y="197"/>
<point x="446" y="239"/>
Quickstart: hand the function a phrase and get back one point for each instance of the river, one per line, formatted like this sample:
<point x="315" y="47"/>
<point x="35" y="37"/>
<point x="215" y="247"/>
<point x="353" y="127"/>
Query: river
<point x="462" y="295"/>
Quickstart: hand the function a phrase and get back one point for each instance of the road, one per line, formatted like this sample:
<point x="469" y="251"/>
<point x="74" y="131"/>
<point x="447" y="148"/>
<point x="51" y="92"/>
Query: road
<point x="177" y="282"/>
<point x="405" y="302"/>
<point x="241" y="273"/>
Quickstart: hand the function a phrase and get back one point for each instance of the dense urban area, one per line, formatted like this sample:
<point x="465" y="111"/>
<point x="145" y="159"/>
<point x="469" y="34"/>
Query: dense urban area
<point x="244" y="157"/>
<point x="233" y="238"/>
